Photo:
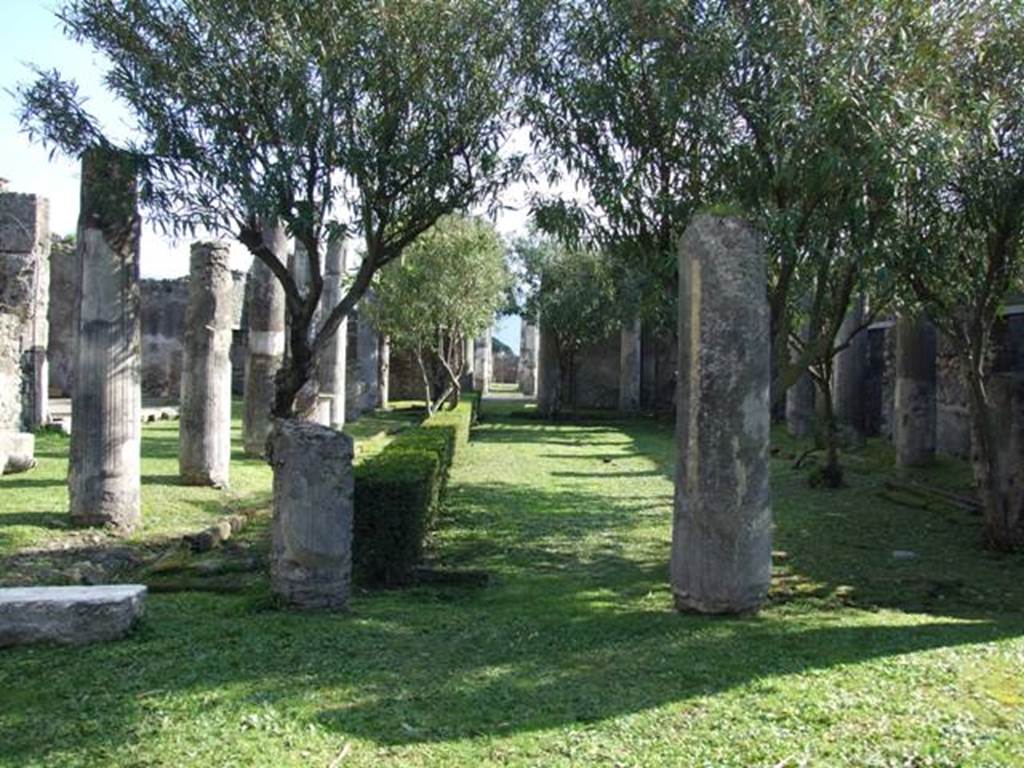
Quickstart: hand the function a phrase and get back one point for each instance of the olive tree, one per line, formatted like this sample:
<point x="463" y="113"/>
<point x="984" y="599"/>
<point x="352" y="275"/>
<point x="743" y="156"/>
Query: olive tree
<point x="445" y="290"/>
<point x="961" y="210"/>
<point x="625" y="101"/>
<point x="572" y="293"/>
<point x="363" y="120"/>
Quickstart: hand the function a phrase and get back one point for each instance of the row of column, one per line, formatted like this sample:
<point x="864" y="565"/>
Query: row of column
<point x="914" y="398"/>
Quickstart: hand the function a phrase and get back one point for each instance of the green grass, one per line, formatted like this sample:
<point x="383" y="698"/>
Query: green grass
<point x="572" y="656"/>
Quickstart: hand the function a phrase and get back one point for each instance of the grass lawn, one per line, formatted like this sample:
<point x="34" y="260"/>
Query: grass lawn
<point x="572" y="656"/>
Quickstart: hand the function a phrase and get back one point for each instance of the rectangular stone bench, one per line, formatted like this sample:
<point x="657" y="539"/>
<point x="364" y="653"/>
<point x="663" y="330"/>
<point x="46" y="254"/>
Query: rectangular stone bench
<point x="69" y="615"/>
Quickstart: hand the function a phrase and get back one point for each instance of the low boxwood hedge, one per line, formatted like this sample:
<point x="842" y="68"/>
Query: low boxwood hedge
<point x="398" y="492"/>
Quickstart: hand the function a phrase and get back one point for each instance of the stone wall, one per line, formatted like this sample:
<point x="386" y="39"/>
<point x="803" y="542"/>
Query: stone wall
<point x="24" y="293"/>
<point x="163" y="329"/>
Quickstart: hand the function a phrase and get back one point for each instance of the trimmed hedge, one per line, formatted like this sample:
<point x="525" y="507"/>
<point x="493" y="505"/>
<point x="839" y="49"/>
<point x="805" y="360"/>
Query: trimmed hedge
<point x="398" y="493"/>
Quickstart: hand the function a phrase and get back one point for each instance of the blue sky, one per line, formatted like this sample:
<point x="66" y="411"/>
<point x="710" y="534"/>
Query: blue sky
<point x="31" y="34"/>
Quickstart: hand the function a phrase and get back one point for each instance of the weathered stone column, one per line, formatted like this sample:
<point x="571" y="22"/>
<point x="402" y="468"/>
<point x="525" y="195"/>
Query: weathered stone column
<point x="1006" y="392"/>
<point x="721" y="537"/>
<point x="204" y="452"/>
<point x="468" y="372"/>
<point x="850" y="369"/>
<point x="630" y="367"/>
<point x="384" y="398"/>
<point x="106" y="401"/>
<point x="528" y="359"/>
<point x="549" y="374"/>
<point x="24" y="302"/>
<point x="915" y="419"/>
<point x="482" y="367"/>
<point x="311" y="550"/>
<point x="334" y="358"/>
<point x="266" y="343"/>
<point x="368" y="354"/>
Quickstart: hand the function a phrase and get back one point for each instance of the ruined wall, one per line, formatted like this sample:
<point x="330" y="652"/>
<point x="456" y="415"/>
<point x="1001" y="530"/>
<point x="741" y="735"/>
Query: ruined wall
<point x="880" y="380"/>
<point x="24" y="294"/>
<point x="595" y="380"/>
<point x="660" y="355"/>
<point x="163" y="328"/>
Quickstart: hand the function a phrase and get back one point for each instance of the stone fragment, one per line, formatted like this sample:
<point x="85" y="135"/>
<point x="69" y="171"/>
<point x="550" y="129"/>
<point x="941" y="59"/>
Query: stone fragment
<point x="69" y="615"/>
<point x="721" y="538"/>
<point x="17" y="452"/>
<point x="311" y="549"/>
<point x="106" y="404"/>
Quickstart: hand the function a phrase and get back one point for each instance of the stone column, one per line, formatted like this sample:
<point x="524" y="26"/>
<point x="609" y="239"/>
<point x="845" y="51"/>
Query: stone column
<point x="266" y="343"/>
<point x="311" y="549"/>
<point x="204" y="452"/>
<point x="482" y="367"/>
<point x="368" y="353"/>
<point x="24" y="303"/>
<point x="721" y="537"/>
<point x="528" y="359"/>
<point x="915" y="406"/>
<point x="549" y="374"/>
<point x="850" y="369"/>
<point x="469" y="370"/>
<point x="384" y="398"/>
<point x="630" y="367"/>
<point x="106" y="401"/>
<point x="333" y="359"/>
<point x="800" y="400"/>
<point x="1006" y="393"/>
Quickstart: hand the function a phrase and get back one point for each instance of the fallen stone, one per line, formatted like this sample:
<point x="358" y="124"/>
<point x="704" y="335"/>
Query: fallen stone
<point x="903" y="554"/>
<point x="69" y="615"/>
<point x="17" y="452"/>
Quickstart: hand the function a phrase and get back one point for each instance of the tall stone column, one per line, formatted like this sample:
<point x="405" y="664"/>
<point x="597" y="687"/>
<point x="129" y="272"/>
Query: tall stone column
<point x="528" y="359"/>
<point x="1005" y="524"/>
<point x="630" y="367"/>
<point x="483" y="365"/>
<point x="333" y="361"/>
<point x="311" y="547"/>
<point x="549" y="374"/>
<point x="266" y="343"/>
<point x="469" y="370"/>
<point x="850" y="370"/>
<point x="721" y="537"/>
<point x="368" y="354"/>
<point x="24" y="303"/>
<point x="915" y="417"/>
<point x="106" y="400"/>
<point x="204" y="452"/>
<point x="384" y="399"/>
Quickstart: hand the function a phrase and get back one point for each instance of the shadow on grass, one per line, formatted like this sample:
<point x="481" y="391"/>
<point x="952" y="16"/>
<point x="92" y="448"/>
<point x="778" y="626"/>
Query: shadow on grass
<point x="53" y="520"/>
<point x="569" y="634"/>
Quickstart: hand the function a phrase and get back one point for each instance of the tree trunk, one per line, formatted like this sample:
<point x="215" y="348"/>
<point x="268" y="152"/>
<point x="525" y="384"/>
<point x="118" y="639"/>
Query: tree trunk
<point x="428" y="389"/>
<point x="830" y="475"/>
<point x="997" y="426"/>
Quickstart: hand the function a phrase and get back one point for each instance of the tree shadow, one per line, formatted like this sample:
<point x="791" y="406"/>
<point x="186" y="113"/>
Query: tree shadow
<point x="568" y="634"/>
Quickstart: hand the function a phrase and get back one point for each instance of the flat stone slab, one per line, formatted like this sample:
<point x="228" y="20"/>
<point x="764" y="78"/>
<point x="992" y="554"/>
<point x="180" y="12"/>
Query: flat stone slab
<point x="69" y="615"/>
